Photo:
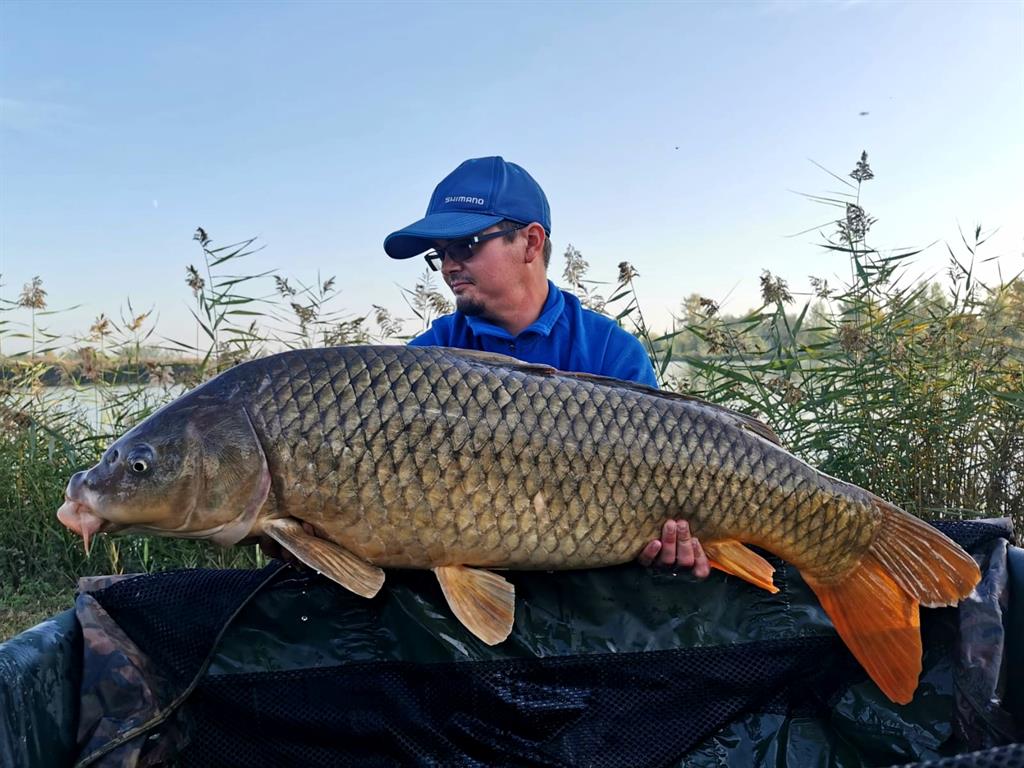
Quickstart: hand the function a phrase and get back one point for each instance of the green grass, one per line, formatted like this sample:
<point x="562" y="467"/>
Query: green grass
<point x="31" y="602"/>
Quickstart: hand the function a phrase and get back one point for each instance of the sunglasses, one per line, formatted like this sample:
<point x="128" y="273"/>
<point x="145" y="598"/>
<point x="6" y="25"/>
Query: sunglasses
<point x="462" y="250"/>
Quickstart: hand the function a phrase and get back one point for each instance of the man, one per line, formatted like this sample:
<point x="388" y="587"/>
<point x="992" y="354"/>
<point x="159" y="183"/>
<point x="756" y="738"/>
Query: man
<point x="487" y="230"/>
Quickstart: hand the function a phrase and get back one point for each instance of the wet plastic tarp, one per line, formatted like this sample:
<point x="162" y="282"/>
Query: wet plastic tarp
<point x="40" y="676"/>
<point x="620" y="666"/>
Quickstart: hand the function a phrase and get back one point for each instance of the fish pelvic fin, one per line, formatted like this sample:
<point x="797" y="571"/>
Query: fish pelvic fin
<point x="330" y="559"/>
<point x="483" y="601"/>
<point x="737" y="559"/>
<point x="880" y="624"/>
<point x="929" y="566"/>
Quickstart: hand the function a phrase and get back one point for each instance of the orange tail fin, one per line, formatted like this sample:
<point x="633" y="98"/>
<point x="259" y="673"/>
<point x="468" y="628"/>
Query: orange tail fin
<point x="929" y="566"/>
<point x="875" y="606"/>
<point x="879" y="623"/>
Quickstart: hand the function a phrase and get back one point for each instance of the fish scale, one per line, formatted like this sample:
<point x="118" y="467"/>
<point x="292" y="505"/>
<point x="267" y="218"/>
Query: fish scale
<point x="554" y="429"/>
<point x="459" y="461"/>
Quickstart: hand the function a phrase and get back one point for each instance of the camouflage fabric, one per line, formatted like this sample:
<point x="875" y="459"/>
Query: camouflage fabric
<point x="88" y="585"/>
<point x="122" y="691"/>
<point x="130" y="696"/>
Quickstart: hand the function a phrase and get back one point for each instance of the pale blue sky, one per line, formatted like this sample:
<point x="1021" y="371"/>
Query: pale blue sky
<point x="321" y="127"/>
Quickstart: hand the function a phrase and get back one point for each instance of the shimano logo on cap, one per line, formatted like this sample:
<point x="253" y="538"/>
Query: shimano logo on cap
<point x="464" y="199"/>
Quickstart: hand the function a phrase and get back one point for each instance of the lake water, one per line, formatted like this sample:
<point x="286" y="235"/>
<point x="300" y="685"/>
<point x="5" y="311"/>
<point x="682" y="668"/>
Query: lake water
<point x="100" y="407"/>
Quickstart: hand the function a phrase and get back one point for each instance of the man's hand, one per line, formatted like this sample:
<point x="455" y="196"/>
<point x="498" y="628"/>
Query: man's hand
<point x="676" y="548"/>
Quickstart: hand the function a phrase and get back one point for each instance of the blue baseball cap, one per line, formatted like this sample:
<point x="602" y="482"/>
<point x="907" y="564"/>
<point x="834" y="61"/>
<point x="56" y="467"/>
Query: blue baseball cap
<point x="476" y="195"/>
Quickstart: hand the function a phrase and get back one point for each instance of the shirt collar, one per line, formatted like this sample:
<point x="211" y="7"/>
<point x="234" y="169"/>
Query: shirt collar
<point x="549" y="314"/>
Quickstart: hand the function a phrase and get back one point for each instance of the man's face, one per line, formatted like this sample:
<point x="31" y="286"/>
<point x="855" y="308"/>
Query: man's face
<point x="484" y="283"/>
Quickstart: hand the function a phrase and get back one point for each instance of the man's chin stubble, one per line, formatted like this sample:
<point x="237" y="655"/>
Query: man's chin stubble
<point x="469" y="307"/>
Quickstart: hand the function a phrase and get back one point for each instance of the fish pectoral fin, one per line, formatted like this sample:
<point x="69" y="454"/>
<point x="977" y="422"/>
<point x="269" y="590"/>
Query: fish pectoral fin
<point x="483" y="601"/>
<point x="330" y="559"/>
<point x="880" y="624"/>
<point x="739" y="560"/>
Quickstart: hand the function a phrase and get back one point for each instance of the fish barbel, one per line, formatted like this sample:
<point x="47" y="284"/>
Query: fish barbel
<point x="463" y="461"/>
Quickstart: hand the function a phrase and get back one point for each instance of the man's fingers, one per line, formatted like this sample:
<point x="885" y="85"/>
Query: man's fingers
<point x="650" y="552"/>
<point x="684" y="545"/>
<point x="677" y="547"/>
<point x="270" y="548"/>
<point x="668" y="541"/>
<point x="701" y="567"/>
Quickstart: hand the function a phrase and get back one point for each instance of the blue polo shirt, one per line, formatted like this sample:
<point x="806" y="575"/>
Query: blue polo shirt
<point x="565" y="336"/>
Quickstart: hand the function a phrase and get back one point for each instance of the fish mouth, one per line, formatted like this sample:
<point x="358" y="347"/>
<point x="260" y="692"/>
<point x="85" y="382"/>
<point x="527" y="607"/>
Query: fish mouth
<point x="81" y="519"/>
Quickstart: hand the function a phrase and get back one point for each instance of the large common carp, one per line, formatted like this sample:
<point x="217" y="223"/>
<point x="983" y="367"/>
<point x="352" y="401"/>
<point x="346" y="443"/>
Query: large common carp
<point x="462" y="461"/>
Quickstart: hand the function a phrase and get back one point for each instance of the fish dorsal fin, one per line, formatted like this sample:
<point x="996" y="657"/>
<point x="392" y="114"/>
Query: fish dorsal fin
<point x="736" y="558"/>
<point x="493" y="358"/>
<point x="330" y="559"/>
<point x="757" y="426"/>
<point x="483" y="601"/>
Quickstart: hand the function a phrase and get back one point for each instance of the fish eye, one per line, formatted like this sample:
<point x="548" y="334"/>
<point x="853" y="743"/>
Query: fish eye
<point x="140" y="459"/>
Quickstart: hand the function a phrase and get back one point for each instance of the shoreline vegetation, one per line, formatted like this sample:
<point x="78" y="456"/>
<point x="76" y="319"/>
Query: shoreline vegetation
<point x="65" y="373"/>
<point x="913" y="390"/>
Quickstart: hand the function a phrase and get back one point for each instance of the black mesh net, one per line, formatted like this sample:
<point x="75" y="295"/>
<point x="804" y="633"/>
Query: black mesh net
<point x="627" y="709"/>
<point x="1011" y="756"/>
<point x="176" y="617"/>
<point x="971" y="534"/>
<point x="597" y="709"/>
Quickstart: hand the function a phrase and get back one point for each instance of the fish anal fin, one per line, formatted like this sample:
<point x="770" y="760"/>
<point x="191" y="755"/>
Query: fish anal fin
<point x="330" y="559"/>
<point x="880" y="624"/>
<point x="483" y="601"/>
<point x="737" y="559"/>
